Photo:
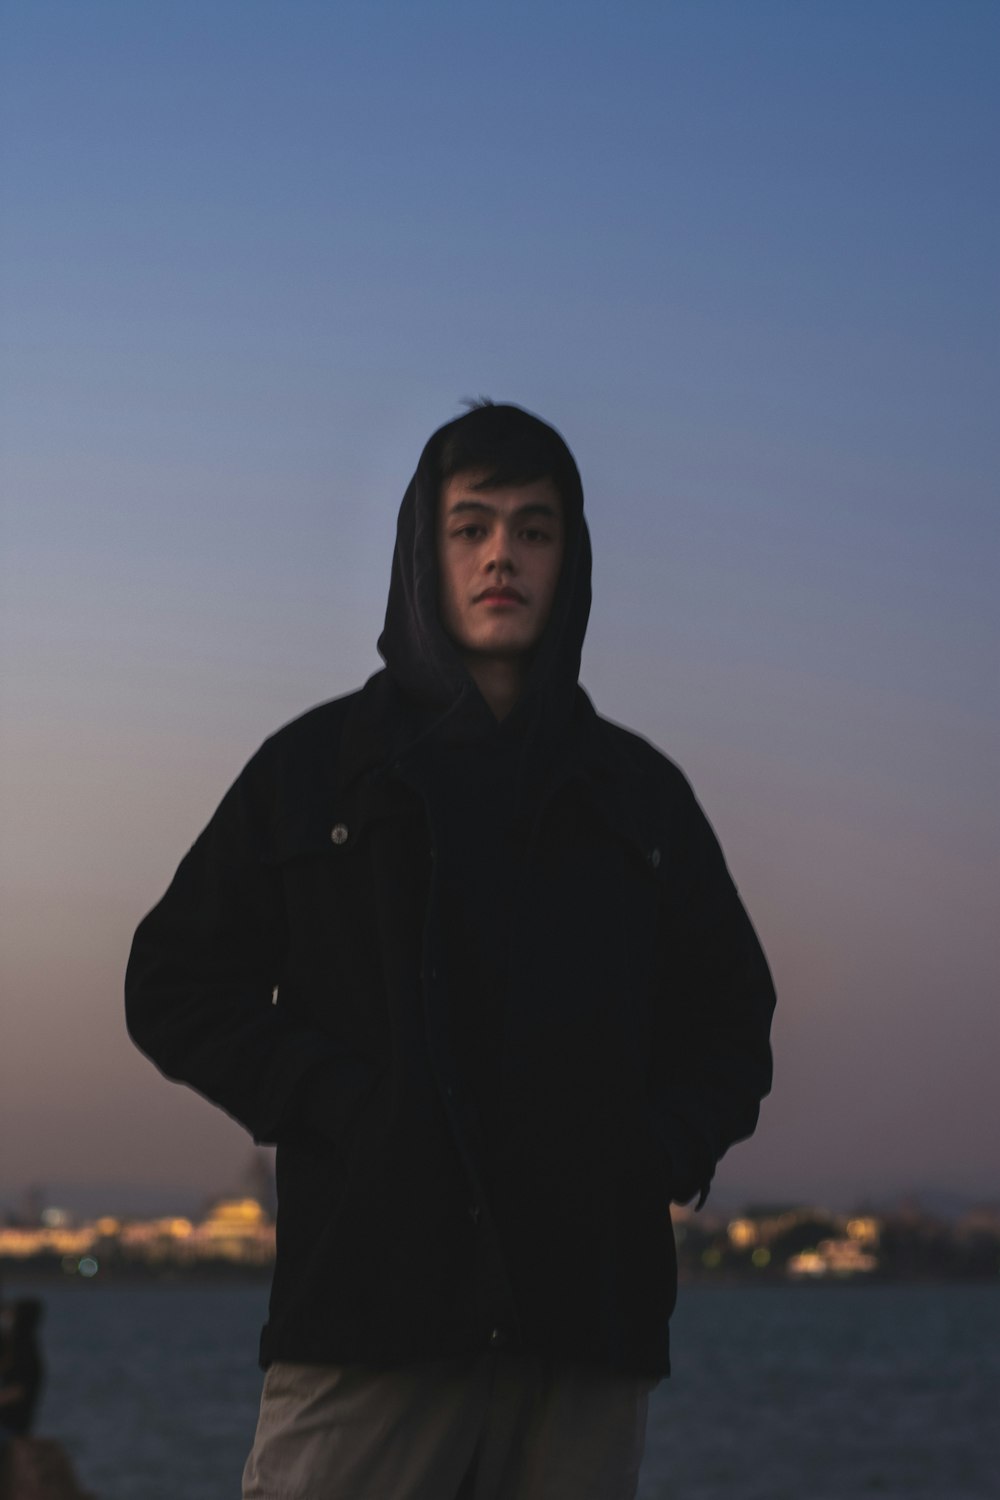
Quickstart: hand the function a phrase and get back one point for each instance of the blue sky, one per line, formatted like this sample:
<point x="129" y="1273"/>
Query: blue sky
<point x="743" y="255"/>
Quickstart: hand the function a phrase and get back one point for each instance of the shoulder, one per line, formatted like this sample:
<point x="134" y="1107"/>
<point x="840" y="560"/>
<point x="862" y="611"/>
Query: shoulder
<point x="317" y="731"/>
<point x="290" y="766"/>
<point x="303" y="763"/>
<point x="300" y="761"/>
<point x="636" y="763"/>
<point x="320" y="733"/>
<point x="655" y="795"/>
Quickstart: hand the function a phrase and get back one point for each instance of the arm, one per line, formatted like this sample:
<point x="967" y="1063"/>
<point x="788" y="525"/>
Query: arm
<point x="202" y="978"/>
<point x="711" y="1057"/>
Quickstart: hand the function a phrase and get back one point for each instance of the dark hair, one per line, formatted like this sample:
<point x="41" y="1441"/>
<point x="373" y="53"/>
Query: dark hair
<point x="508" y="445"/>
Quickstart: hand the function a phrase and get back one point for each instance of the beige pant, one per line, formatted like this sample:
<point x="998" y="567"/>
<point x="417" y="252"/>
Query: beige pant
<point x="491" y="1427"/>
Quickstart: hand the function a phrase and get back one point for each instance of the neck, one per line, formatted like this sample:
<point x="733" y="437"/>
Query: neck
<point x="499" y="679"/>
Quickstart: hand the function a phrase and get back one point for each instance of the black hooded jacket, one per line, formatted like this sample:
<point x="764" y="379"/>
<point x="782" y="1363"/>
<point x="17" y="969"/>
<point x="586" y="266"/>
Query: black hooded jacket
<point x="488" y="986"/>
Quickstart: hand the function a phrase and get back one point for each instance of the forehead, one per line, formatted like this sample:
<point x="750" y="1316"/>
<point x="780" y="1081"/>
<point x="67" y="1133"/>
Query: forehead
<point x="470" y="492"/>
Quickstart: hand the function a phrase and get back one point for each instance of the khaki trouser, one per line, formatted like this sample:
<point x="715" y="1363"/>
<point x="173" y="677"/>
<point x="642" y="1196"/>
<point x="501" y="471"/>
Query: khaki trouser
<point x="491" y="1427"/>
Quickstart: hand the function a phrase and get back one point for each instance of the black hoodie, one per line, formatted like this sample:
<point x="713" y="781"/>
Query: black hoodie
<point x="483" y="781"/>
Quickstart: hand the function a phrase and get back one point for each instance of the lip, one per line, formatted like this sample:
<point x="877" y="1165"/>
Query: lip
<point x="500" y="597"/>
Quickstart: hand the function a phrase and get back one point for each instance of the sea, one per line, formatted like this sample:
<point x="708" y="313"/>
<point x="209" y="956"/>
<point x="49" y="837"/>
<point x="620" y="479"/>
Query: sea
<point x="792" y="1392"/>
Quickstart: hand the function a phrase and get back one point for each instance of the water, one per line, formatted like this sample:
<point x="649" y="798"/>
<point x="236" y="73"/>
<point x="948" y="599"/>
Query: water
<point x="829" y="1393"/>
<point x="780" y="1393"/>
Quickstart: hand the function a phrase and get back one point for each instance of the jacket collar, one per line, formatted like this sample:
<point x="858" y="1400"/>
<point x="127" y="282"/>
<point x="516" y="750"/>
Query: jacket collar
<point x="383" y="724"/>
<point x="381" y="728"/>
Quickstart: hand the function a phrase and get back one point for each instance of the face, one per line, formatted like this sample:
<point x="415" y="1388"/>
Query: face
<point x="499" y="555"/>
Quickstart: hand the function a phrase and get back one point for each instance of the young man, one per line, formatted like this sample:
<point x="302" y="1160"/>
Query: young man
<point x="469" y="954"/>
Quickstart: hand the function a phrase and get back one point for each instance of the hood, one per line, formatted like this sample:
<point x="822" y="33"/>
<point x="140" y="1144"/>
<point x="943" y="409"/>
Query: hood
<point x="417" y="650"/>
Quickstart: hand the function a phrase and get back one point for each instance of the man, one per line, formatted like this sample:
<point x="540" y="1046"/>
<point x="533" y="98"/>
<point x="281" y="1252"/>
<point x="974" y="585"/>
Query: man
<point x="470" y="956"/>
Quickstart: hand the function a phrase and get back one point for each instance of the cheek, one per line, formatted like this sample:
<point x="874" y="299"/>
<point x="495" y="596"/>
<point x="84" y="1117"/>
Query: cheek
<point x="449" y="591"/>
<point x="552" y="581"/>
<point x="445" y="607"/>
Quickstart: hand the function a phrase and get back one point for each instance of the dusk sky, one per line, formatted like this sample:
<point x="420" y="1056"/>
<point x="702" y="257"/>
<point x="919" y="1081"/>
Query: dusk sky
<point x="743" y="254"/>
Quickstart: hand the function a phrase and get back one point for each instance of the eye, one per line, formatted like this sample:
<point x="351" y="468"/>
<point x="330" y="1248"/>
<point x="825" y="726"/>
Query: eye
<point x="470" y="533"/>
<point x="535" y="534"/>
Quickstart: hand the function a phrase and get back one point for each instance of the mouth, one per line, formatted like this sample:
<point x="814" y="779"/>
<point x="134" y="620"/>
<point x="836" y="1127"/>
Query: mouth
<point x="500" y="597"/>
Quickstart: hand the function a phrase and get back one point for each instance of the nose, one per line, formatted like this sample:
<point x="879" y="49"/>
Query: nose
<point x="501" y="554"/>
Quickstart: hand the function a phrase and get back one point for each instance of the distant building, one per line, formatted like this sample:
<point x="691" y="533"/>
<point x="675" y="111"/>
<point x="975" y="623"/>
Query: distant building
<point x="237" y="1231"/>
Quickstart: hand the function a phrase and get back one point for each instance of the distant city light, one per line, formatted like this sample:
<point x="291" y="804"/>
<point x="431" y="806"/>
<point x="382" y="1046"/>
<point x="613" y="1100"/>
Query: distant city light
<point x="802" y="1243"/>
<point x="742" y="1233"/>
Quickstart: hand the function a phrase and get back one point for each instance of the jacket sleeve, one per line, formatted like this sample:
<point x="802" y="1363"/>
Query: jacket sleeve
<point x="202" y="993"/>
<point x="712" y="1059"/>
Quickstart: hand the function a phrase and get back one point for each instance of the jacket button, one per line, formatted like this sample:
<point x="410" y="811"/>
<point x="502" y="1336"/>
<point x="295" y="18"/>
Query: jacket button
<point x="338" y="833"/>
<point x="498" y="1337"/>
<point x="654" y="859"/>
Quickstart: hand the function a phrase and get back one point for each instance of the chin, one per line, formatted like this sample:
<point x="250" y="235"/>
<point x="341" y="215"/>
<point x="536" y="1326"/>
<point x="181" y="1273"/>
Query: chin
<point x="505" y="645"/>
<point x="499" y="647"/>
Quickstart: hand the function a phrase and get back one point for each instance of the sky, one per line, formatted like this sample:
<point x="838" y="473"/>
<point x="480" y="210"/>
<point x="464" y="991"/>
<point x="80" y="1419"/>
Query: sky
<point x="744" y="256"/>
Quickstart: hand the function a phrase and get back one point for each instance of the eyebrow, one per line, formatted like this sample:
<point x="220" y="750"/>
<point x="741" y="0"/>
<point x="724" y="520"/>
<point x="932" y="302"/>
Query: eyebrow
<point x="535" y="508"/>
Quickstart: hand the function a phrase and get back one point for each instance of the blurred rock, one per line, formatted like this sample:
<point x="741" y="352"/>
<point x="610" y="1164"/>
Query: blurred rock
<point x="38" y="1469"/>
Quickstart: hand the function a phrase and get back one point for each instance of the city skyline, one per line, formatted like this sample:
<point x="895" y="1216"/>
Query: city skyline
<point x="89" y="1200"/>
<point x="803" y="1242"/>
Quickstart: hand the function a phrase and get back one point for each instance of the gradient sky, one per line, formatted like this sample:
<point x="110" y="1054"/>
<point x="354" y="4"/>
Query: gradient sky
<point x="743" y="256"/>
